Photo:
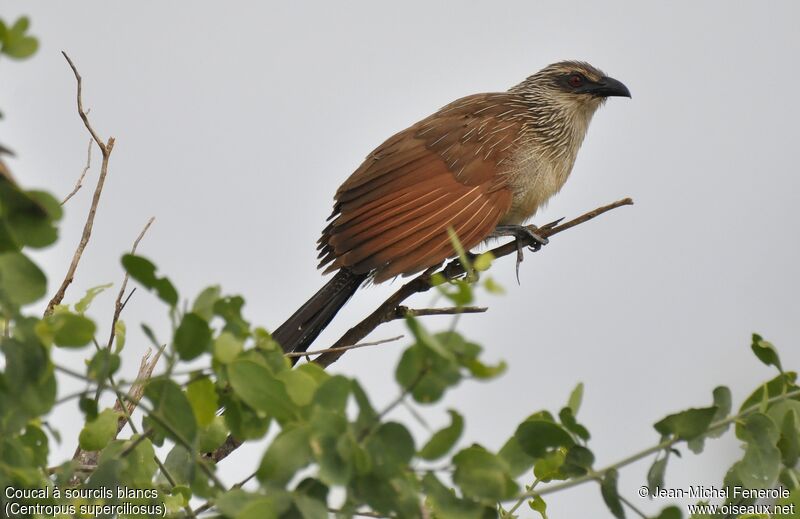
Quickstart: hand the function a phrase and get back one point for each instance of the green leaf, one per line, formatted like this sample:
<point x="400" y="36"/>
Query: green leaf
<point x="192" y="337"/>
<point x="536" y="436"/>
<point x="139" y="467"/>
<point x="202" y="397"/>
<point x="789" y="443"/>
<point x="89" y="407"/>
<point x="227" y="347"/>
<point x="103" y="364"/>
<point x="310" y="508"/>
<point x="204" y="304"/>
<point x="239" y="504"/>
<point x="762" y="459"/>
<point x="765" y="352"/>
<point x="66" y="329"/>
<point x="120" y="332"/>
<point x="97" y="433"/>
<point x="516" y="459"/>
<point x="688" y="424"/>
<point x="333" y="393"/>
<point x="655" y="475"/>
<point x="213" y="435"/>
<point x="21" y="281"/>
<point x="492" y="286"/>
<point x="259" y="389"/>
<point x="483" y="261"/>
<point x="391" y="447"/>
<point x="608" y="488"/>
<point x="181" y="465"/>
<point x="171" y="407"/>
<point x="537" y="504"/>
<point x="84" y="303"/>
<point x="289" y="452"/>
<point x="446" y="505"/>
<point x="578" y="461"/>
<point x="575" y="399"/>
<point x="426" y="374"/>
<point x="773" y="388"/>
<point x="244" y="422"/>
<point x="300" y="386"/>
<point x="548" y="467"/>
<point x="230" y="309"/>
<point x="16" y="44"/>
<point x="572" y="425"/>
<point x="30" y="218"/>
<point x="482" y="475"/>
<point x="444" y="439"/>
<point x="366" y="413"/>
<point x="144" y="271"/>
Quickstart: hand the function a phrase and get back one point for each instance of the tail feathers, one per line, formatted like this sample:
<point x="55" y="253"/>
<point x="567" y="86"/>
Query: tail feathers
<point x="303" y="327"/>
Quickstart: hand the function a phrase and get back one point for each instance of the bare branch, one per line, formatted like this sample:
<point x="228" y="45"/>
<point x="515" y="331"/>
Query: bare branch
<point x="387" y="311"/>
<point x="79" y="183"/>
<point x="402" y="312"/>
<point x="295" y="354"/>
<point x="84" y="114"/>
<point x="137" y="389"/>
<point x="119" y="304"/>
<point x="106" y="149"/>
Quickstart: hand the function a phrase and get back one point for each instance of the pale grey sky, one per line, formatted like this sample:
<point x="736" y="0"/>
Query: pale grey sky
<point x="236" y="122"/>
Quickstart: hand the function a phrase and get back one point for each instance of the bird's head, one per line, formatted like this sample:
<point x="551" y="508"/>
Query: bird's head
<point x="564" y="96"/>
<point x="572" y="84"/>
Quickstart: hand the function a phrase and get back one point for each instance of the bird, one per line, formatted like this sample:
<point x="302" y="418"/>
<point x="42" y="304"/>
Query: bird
<point x="480" y="166"/>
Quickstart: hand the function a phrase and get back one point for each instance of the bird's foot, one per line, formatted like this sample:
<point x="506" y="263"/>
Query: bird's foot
<point x="520" y="232"/>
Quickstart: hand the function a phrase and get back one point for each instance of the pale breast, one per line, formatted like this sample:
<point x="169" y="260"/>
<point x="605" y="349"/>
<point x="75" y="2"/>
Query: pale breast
<point x="533" y="178"/>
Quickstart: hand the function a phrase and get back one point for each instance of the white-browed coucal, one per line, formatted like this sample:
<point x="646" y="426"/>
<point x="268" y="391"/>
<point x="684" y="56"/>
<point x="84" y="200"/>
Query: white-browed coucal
<point x="481" y="165"/>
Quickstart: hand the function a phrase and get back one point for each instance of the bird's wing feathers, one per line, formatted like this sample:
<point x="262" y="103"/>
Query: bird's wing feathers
<point x="391" y="216"/>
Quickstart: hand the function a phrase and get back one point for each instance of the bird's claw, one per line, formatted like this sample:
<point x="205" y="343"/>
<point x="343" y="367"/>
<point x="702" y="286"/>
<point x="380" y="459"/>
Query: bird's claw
<point x="520" y="232"/>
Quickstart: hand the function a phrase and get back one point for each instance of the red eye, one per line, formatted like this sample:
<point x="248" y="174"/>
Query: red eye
<point x="575" y="80"/>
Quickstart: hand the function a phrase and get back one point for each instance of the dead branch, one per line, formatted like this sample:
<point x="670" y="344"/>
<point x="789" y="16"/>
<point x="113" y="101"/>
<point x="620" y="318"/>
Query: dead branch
<point x="136" y="391"/>
<point x="401" y="312"/>
<point x="388" y="310"/>
<point x="105" y="149"/>
<point x="79" y="183"/>
<point x="295" y="354"/>
<point x="119" y="304"/>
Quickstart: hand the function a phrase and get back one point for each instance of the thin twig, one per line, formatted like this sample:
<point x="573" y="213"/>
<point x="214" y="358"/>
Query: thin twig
<point x="79" y="183"/>
<point x="387" y="311"/>
<point x="105" y="149"/>
<point x="119" y="304"/>
<point x="294" y="354"/>
<point x="402" y="312"/>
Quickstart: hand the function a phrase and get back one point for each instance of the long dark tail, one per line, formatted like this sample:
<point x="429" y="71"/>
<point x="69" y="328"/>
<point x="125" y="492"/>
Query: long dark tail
<point x="300" y="330"/>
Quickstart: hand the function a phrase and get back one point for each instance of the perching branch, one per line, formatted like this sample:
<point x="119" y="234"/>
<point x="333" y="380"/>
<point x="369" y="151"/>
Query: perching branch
<point x="388" y="310"/>
<point x="105" y="149"/>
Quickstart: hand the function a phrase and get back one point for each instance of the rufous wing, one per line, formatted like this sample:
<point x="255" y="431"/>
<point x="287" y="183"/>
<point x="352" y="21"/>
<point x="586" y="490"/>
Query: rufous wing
<point x="392" y="214"/>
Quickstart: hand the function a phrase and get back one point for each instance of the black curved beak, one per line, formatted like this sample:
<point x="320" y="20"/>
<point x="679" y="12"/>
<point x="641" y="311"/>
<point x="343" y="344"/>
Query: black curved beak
<point x="609" y="87"/>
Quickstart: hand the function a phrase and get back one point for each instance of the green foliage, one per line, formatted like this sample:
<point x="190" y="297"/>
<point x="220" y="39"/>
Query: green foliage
<point x="14" y="40"/>
<point x="144" y="271"/>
